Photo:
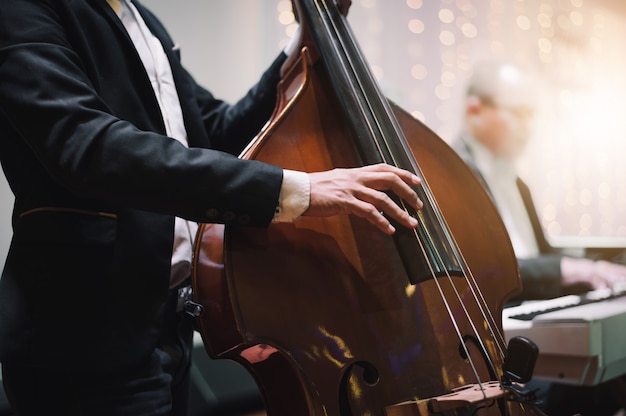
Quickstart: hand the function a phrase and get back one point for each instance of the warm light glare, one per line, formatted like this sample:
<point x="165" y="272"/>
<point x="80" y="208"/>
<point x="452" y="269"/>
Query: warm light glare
<point x="423" y="52"/>
<point x="419" y="71"/>
<point x="469" y="30"/>
<point x="416" y="26"/>
<point x="286" y="17"/>
<point x="414" y="4"/>
<point x="545" y="45"/>
<point x="448" y="78"/>
<point x="544" y="20"/>
<point x="368" y="4"/>
<point x="446" y="15"/>
<point x="577" y="18"/>
<point x="283" y="6"/>
<point x="523" y="22"/>
<point x="447" y="38"/>
<point x="418" y="115"/>
<point x="442" y="92"/>
<point x="290" y="30"/>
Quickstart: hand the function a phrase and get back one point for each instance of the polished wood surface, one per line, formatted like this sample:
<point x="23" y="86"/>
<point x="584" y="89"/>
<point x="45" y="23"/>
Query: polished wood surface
<point x="322" y="311"/>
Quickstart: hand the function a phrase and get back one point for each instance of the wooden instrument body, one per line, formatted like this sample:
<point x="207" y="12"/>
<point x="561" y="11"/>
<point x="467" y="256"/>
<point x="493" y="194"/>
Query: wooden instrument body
<point x="321" y="310"/>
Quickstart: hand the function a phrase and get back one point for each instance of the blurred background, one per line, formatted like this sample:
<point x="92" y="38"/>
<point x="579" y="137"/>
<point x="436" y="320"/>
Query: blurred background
<point x="422" y="52"/>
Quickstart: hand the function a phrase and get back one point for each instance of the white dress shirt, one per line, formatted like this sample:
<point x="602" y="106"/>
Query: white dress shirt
<point x="501" y="177"/>
<point x="295" y="189"/>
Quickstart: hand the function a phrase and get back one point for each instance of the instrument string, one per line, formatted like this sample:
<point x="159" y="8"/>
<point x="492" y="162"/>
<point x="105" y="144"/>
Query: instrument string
<point x="472" y="283"/>
<point x="348" y="66"/>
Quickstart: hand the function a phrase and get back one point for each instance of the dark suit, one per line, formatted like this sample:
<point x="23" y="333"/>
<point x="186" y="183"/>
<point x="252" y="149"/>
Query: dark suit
<point x="541" y="278"/>
<point x="541" y="275"/>
<point x="97" y="185"/>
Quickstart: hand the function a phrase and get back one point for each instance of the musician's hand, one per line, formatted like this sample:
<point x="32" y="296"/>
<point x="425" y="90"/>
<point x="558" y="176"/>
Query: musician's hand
<point x="598" y="274"/>
<point x="360" y="191"/>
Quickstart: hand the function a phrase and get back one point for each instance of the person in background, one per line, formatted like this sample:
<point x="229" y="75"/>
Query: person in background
<point x="499" y="108"/>
<point x="114" y="154"/>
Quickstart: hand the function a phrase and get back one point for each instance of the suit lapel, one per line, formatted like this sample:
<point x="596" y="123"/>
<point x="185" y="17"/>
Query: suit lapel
<point x="542" y="242"/>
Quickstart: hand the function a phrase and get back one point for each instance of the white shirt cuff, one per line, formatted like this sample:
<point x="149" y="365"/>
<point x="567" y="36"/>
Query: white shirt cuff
<point x="295" y="196"/>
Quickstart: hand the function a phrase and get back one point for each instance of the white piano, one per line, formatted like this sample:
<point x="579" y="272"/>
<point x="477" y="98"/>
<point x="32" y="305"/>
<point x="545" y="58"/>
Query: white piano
<point x="581" y="339"/>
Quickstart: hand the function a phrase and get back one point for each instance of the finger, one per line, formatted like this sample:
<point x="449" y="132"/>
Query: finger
<point x="381" y="202"/>
<point x="400" y="182"/>
<point x="371" y="214"/>
<point x="390" y="182"/>
<point x="405" y="175"/>
<point x="405" y="191"/>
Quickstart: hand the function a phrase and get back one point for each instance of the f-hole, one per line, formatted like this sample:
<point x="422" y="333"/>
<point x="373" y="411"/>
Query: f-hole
<point x="364" y="371"/>
<point x="464" y="348"/>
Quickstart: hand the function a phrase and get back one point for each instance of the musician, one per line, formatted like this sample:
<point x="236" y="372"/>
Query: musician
<point x="500" y="105"/>
<point x="105" y="143"/>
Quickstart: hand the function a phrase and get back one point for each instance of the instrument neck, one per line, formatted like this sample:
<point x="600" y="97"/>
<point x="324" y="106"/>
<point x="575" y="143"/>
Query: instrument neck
<point x="379" y="138"/>
<point x="367" y="111"/>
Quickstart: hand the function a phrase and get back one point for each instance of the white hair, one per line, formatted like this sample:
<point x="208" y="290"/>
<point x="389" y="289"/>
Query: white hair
<point x="502" y="84"/>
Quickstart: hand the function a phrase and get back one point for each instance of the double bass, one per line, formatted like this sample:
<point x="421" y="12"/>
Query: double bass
<point x="331" y="316"/>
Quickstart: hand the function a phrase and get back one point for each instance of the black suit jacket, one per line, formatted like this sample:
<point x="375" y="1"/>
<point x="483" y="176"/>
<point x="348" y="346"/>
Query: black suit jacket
<point x="97" y="184"/>
<point x="541" y="275"/>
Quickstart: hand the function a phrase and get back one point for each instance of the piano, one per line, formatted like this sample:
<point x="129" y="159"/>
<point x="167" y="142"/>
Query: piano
<point x="581" y="339"/>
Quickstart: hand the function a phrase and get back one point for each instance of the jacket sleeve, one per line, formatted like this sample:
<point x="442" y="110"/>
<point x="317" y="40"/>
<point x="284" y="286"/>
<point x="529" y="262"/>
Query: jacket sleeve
<point x="50" y="98"/>
<point x="541" y="277"/>
<point x="231" y="127"/>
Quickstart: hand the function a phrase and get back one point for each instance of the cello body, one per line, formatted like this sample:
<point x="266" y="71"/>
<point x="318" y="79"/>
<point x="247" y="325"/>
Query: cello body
<point x="322" y="312"/>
